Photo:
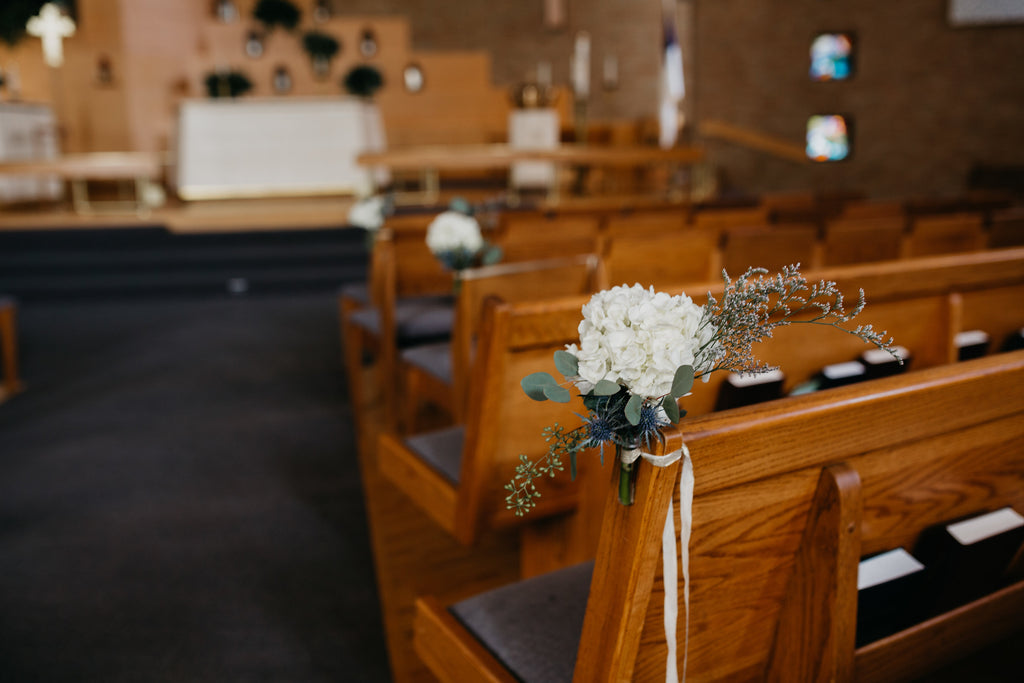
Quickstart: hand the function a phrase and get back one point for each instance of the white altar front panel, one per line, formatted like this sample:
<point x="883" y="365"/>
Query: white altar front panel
<point x="254" y="147"/>
<point x="28" y="132"/>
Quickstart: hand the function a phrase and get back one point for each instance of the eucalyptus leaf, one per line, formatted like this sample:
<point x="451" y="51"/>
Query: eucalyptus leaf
<point x="556" y="393"/>
<point x="682" y="382"/>
<point x="572" y="464"/>
<point x="632" y="410"/>
<point x="491" y="255"/>
<point x="671" y="409"/>
<point x="566" y="363"/>
<point x="534" y="383"/>
<point x="606" y="387"/>
<point x="460" y="205"/>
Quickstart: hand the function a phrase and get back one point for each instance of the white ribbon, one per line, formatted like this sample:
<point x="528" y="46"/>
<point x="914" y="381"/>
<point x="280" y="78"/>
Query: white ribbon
<point x="669" y="553"/>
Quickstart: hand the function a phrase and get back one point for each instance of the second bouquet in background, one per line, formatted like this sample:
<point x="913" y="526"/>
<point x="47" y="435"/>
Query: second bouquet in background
<point x="454" y="237"/>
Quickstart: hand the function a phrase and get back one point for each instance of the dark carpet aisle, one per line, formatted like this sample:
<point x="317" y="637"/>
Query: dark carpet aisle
<point x="180" y="497"/>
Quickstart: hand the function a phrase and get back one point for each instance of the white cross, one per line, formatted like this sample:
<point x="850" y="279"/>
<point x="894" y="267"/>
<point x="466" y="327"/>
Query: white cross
<point x="52" y="26"/>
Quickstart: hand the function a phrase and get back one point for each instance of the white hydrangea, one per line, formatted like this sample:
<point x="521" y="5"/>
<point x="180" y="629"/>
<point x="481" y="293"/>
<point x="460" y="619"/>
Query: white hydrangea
<point x="452" y="231"/>
<point x="367" y="213"/>
<point x="638" y="338"/>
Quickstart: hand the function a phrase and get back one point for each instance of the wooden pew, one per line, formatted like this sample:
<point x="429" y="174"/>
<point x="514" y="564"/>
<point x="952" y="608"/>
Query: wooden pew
<point x="721" y="218"/>
<point x="645" y="223"/>
<point x="788" y="498"/>
<point x="770" y="246"/>
<point x="440" y="373"/>
<point x="952" y="233"/>
<point x="410" y="302"/>
<point x="406" y="483"/>
<point x="917" y="301"/>
<point x="861" y="240"/>
<point x="532" y="235"/>
<point x="691" y="255"/>
<point x="1006" y="228"/>
<point x="10" y="384"/>
<point x="456" y="475"/>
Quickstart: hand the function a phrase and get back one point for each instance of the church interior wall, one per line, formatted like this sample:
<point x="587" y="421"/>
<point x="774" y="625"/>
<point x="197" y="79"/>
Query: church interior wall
<point x="927" y="100"/>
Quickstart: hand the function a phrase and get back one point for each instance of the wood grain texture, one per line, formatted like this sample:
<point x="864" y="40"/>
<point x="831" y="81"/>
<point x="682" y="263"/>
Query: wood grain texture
<point x="921" y="460"/>
<point x="452" y="653"/>
<point x="814" y="639"/>
<point x="624" y="573"/>
<point x="511" y="282"/>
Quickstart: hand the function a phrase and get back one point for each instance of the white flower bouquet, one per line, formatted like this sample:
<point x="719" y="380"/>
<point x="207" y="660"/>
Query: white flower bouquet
<point x="369" y="212"/>
<point x="640" y="351"/>
<point x="456" y="240"/>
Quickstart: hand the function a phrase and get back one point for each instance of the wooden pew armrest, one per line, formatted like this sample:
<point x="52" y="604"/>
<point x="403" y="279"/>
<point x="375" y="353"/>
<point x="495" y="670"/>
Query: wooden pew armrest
<point x="450" y="650"/>
<point x="418" y="480"/>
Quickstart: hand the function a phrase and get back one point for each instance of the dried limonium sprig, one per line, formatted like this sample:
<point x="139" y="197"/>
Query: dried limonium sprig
<point x="640" y="352"/>
<point x="753" y="306"/>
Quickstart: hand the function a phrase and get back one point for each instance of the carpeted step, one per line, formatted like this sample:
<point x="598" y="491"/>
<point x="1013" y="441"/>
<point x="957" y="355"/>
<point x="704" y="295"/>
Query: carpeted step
<point x="153" y="261"/>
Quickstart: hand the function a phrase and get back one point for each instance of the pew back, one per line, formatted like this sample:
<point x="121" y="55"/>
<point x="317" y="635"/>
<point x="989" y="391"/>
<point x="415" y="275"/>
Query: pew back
<point x="648" y="223"/>
<point x="788" y="497"/>
<point x="922" y="303"/>
<point x="682" y="256"/>
<point x="511" y="282"/>
<point x="862" y="240"/>
<point x="944" y="234"/>
<point x="532" y="235"/>
<point x="502" y="423"/>
<point x="771" y="247"/>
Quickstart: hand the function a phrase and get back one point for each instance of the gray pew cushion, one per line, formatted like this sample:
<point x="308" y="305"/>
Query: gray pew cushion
<point x="433" y="358"/>
<point x="419" y="320"/>
<point x="533" y="626"/>
<point x="441" y="449"/>
<point x="359" y="292"/>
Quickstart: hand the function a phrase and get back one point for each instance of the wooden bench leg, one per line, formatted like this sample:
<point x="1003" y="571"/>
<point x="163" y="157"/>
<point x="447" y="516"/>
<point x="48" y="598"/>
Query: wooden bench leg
<point x="9" y="349"/>
<point x="80" y="196"/>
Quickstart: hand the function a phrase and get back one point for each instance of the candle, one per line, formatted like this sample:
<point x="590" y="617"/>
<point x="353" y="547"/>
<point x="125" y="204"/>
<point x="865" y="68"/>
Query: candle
<point x="581" y="65"/>
<point x="544" y="74"/>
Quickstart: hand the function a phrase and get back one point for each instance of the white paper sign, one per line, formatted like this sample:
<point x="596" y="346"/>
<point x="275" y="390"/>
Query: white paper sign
<point x="979" y="528"/>
<point x="886" y="567"/>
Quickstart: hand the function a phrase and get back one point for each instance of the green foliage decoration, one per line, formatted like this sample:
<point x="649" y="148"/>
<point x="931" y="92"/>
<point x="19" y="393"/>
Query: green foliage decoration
<point x="14" y="14"/>
<point x="227" y="84"/>
<point x="272" y="13"/>
<point x="363" y="81"/>
<point x="319" y="44"/>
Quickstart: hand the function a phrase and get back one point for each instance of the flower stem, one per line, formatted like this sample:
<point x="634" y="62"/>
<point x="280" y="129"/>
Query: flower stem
<point x="627" y="478"/>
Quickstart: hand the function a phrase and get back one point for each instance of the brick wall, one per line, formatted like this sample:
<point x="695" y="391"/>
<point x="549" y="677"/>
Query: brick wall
<point x="927" y="101"/>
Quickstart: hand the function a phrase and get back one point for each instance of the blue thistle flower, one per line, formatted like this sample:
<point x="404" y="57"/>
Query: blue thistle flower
<point x="599" y="429"/>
